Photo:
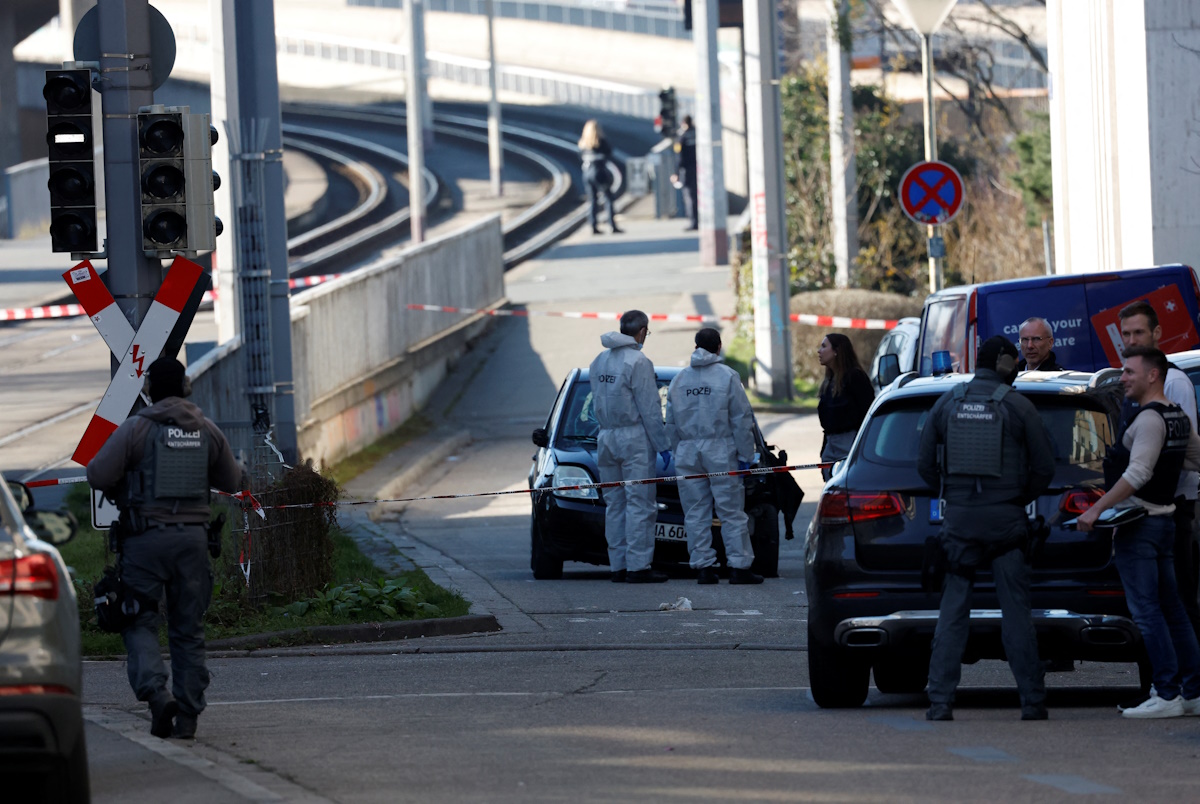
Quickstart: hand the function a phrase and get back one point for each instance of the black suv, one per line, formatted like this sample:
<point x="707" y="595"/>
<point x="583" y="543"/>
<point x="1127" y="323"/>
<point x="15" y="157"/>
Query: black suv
<point x="569" y="525"/>
<point x="865" y="546"/>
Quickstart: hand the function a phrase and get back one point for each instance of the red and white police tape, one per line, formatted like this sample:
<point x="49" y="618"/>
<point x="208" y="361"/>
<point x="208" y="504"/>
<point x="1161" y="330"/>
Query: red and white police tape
<point x="840" y="322"/>
<point x="835" y="321"/>
<point x="250" y="502"/>
<point x="73" y="310"/>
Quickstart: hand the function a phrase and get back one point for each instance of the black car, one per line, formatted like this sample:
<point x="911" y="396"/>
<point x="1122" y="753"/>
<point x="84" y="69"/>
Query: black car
<point x="569" y="525"/>
<point x="865" y="546"/>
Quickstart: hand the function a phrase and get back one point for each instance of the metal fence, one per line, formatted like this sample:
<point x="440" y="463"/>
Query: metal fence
<point x="639" y="17"/>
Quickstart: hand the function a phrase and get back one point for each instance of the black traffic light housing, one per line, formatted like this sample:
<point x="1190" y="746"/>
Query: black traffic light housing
<point x="71" y="151"/>
<point x="177" y="181"/>
<point x="666" y="122"/>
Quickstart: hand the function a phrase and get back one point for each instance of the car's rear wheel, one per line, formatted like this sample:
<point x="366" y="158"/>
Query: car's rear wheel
<point x="545" y="567"/>
<point x="765" y="542"/>
<point x="838" y="680"/>
<point x="902" y="674"/>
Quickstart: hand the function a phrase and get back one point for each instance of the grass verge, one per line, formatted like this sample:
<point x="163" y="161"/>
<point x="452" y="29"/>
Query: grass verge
<point x="366" y="458"/>
<point x="359" y="593"/>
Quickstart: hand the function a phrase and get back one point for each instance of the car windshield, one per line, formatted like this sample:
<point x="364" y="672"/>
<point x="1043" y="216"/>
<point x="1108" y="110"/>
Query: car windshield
<point x="1079" y="434"/>
<point x="579" y="416"/>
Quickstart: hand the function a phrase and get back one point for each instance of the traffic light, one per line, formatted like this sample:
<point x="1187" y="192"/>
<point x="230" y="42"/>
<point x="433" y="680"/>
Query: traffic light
<point x="72" y="182"/>
<point x="666" y="123"/>
<point x="177" y="181"/>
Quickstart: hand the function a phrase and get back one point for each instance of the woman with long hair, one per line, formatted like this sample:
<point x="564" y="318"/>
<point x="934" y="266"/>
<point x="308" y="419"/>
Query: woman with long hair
<point x="597" y="174"/>
<point x="846" y="395"/>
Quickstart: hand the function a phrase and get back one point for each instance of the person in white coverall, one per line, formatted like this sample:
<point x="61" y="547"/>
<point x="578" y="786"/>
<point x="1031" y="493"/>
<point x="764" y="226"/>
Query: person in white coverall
<point x="710" y="429"/>
<point x="626" y="402"/>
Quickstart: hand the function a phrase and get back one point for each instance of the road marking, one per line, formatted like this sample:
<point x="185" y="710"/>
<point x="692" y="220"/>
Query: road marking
<point x="135" y="729"/>
<point x="901" y="723"/>
<point x="983" y="753"/>
<point x="1070" y="784"/>
<point x="746" y="613"/>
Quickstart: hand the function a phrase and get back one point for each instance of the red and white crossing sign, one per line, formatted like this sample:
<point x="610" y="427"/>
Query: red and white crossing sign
<point x="137" y="350"/>
<point x="931" y="193"/>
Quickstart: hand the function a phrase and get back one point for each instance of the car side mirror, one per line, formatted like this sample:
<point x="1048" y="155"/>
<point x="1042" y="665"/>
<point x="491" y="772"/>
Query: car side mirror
<point x="889" y="370"/>
<point x="52" y="526"/>
<point x="21" y="494"/>
<point x="541" y="438"/>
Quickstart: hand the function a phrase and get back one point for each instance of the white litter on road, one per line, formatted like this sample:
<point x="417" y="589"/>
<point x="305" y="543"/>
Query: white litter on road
<point x="682" y="604"/>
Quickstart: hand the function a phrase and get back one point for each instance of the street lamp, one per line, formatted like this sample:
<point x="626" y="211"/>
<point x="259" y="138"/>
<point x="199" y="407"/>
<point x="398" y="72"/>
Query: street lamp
<point x="925" y="17"/>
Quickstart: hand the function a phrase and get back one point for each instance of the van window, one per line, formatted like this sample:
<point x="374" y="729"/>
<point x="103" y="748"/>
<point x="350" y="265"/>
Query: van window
<point x="945" y="329"/>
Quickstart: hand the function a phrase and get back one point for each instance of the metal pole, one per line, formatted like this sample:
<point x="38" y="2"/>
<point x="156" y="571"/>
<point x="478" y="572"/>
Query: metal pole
<point x="842" y="164"/>
<point x="255" y="144"/>
<point x="713" y="201"/>
<point x="772" y="331"/>
<point x="936" y="278"/>
<point x="1047" y="251"/>
<point x="495" y="143"/>
<point x="415" y="124"/>
<point x="132" y="277"/>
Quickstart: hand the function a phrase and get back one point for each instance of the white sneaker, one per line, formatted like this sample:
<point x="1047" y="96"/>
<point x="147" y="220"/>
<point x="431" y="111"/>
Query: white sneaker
<point x="1156" y="707"/>
<point x="1191" y="707"/>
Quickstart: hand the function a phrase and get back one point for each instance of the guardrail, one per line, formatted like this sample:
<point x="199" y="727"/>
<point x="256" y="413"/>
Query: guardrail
<point x="636" y="16"/>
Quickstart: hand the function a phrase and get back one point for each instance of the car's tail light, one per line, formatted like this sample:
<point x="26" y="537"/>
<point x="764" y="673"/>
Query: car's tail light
<point x="840" y="508"/>
<point x="1076" y="501"/>
<point x="36" y="689"/>
<point x="30" y="575"/>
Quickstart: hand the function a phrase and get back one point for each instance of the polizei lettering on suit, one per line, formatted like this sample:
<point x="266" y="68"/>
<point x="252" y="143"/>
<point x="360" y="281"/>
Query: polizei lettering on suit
<point x="705" y="391"/>
<point x="980" y="411"/>
<point x="607" y="377"/>
<point x="178" y="438"/>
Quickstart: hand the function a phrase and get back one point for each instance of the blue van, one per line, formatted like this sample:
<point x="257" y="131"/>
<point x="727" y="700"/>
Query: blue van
<point x="1081" y="308"/>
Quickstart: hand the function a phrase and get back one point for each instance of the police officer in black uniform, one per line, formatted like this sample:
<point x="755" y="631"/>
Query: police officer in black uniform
<point x="984" y="446"/>
<point x="160" y="465"/>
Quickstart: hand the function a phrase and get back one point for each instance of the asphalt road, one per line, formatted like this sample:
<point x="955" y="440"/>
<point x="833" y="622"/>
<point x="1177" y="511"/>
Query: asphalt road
<point x="592" y="692"/>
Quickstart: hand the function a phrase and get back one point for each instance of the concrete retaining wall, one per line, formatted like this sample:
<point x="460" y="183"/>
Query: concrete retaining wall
<point x="363" y="363"/>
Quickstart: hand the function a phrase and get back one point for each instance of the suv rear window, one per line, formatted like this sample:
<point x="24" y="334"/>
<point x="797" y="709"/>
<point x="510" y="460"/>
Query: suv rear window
<point x="1080" y="432"/>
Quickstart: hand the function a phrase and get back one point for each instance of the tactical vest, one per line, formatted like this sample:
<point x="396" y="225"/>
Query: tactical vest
<point x="975" y="434"/>
<point x="173" y="469"/>
<point x="1160" y="488"/>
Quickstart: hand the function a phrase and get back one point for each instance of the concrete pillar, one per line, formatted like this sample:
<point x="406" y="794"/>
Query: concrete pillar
<point x="710" y="162"/>
<point x="10" y="118"/>
<point x="1125" y="133"/>
<point x="772" y="327"/>
<point x="843" y="170"/>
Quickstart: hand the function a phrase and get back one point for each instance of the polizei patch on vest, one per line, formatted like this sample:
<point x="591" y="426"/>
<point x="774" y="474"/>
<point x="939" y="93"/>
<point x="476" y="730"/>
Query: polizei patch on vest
<point x="975" y="411"/>
<point x="178" y="438"/>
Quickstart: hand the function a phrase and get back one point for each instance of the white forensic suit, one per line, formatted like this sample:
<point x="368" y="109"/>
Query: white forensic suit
<point x="626" y="402"/>
<point x="710" y="427"/>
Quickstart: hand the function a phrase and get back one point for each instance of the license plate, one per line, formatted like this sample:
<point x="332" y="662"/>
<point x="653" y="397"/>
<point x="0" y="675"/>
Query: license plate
<point x="937" y="510"/>
<point x="670" y="533"/>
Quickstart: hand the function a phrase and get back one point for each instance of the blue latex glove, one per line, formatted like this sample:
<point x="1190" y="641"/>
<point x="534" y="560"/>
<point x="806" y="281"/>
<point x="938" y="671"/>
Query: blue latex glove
<point x="743" y="465"/>
<point x="666" y="457"/>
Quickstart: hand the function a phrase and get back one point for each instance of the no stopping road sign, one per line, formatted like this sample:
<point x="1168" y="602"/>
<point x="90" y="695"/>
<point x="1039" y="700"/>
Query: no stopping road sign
<point x="931" y="193"/>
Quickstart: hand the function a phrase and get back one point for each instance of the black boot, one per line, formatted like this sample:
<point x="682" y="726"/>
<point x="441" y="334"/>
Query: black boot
<point x="707" y="576"/>
<point x="646" y="576"/>
<point x="162" y="713"/>
<point x="939" y="712"/>
<point x="744" y="576"/>
<point x="185" y="727"/>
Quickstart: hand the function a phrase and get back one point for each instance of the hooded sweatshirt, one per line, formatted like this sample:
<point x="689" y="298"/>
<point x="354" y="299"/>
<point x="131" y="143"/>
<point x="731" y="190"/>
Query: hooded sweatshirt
<point x="707" y="401"/>
<point x="624" y="391"/>
<point x="124" y="450"/>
